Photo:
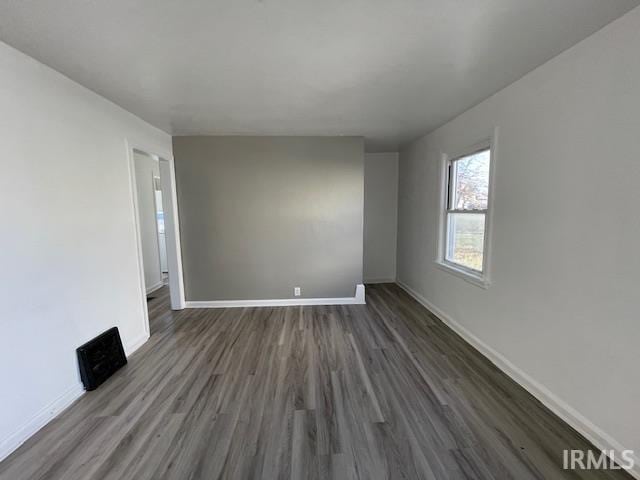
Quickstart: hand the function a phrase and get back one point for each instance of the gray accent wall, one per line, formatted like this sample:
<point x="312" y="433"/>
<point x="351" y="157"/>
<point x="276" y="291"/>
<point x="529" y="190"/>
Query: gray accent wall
<point x="262" y="215"/>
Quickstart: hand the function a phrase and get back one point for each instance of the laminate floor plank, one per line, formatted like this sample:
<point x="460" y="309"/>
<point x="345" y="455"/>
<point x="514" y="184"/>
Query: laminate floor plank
<point x="377" y="391"/>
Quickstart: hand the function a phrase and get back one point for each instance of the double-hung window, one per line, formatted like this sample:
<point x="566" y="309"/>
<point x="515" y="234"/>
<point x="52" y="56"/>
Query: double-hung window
<point x="465" y="222"/>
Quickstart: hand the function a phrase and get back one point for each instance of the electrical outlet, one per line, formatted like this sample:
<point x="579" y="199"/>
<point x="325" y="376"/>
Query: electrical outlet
<point x="296" y="291"/>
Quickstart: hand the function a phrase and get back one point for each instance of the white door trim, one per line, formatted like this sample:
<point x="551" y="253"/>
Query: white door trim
<point x="172" y="234"/>
<point x="174" y="257"/>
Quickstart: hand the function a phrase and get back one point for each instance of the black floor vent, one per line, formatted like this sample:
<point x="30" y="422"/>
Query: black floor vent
<point x="100" y="358"/>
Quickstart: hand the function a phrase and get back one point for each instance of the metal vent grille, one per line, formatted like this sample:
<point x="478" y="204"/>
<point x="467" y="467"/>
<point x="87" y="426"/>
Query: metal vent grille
<point x="99" y="358"/>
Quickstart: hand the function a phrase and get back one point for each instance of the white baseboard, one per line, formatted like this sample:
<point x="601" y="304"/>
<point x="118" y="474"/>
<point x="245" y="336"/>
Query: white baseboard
<point x="39" y="420"/>
<point x="568" y="414"/>
<point x="358" y="299"/>
<point x="48" y="413"/>
<point x="155" y="287"/>
<point x="131" y="347"/>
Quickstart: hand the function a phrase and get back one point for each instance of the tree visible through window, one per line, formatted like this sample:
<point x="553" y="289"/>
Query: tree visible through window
<point x="467" y="203"/>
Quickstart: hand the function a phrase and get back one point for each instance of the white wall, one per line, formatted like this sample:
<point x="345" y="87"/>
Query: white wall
<point x="563" y="308"/>
<point x="69" y="253"/>
<point x="147" y="168"/>
<point x="380" y="216"/>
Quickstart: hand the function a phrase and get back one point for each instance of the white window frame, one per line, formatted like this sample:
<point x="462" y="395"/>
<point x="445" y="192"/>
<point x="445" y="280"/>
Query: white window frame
<point x="483" y="278"/>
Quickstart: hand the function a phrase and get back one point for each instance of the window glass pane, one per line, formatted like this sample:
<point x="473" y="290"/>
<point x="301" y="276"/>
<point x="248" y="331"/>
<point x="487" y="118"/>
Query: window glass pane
<point x="465" y="239"/>
<point x="470" y="182"/>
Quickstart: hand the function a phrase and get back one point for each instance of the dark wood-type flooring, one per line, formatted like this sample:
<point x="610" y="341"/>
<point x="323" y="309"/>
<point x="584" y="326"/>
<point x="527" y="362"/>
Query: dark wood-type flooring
<point x="384" y="390"/>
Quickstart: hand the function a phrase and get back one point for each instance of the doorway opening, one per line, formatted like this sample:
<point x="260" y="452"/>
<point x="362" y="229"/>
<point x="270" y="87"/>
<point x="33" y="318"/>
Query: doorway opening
<point x="158" y="240"/>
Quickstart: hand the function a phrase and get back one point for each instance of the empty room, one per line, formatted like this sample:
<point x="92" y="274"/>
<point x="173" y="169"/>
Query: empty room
<point x="268" y="239"/>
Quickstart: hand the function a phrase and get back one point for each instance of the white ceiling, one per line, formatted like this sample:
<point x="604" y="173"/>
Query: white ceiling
<point x="389" y="70"/>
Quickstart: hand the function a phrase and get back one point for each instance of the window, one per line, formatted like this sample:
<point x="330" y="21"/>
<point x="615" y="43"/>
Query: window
<point x="466" y="214"/>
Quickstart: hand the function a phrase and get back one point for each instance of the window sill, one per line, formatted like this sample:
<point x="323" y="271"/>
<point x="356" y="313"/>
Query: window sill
<point x="477" y="280"/>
